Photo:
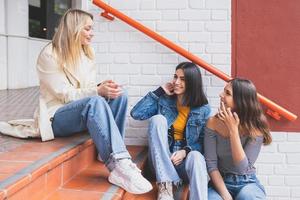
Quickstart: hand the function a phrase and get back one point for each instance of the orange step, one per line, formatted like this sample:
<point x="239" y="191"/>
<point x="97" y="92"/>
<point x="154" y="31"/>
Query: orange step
<point x="30" y="169"/>
<point x="91" y="183"/>
<point x="180" y="193"/>
<point x="33" y="168"/>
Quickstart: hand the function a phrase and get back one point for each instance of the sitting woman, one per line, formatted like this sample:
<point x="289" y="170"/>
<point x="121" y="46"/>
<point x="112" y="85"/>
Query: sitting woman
<point x="178" y="112"/>
<point x="232" y="142"/>
<point x="72" y="102"/>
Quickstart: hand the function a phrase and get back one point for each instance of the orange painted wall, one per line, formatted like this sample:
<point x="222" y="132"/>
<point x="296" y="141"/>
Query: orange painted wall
<point x="266" y="49"/>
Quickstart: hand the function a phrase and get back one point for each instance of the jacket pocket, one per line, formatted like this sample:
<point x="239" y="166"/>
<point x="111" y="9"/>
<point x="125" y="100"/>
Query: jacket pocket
<point x="167" y="113"/>
<point x="194" y="131"/>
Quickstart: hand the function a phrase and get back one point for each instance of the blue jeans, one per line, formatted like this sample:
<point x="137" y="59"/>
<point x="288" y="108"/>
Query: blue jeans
<point x="103" y="119"/>
<point x="241" y="187"/>
<point x="192" y="169"/>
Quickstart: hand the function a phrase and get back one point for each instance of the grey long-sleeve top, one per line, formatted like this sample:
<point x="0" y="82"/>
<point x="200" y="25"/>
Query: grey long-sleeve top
<point x="218" y="156"/>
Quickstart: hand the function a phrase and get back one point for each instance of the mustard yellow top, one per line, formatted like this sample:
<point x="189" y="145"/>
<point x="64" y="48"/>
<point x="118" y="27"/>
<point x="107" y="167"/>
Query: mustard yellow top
<point x="180" y="122"/>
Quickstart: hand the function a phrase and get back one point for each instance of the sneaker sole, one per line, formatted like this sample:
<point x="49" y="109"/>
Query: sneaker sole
<point x="114" y="180"/>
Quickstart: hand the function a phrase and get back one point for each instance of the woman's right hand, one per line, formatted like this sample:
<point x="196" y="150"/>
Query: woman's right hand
<point x="109" y="89"/>
<point x="227" y="196"/>
<point x="168" y="88"/>
<point x="231" y="120"/>
<point x="178" y="156"/>
<point x="219" y="185"/>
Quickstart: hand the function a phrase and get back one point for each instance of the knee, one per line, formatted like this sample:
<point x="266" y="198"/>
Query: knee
<point x="120" y="101"/>
<point x="158" y="120"/>
<point x="96" y="100"/>
<point x="123" y="97"/>
<point x="213" y="194"/>
<point x="196" y="159"/>
<point x="251" y="192"/>
<point x="158" y="126"/>
<point x="95" y="105"/>
<point x="245" y="195"/>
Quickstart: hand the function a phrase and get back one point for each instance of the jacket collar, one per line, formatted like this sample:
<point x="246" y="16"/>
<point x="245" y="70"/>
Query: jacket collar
<point x="170" y="101"/>
<point x="197" y="110"/>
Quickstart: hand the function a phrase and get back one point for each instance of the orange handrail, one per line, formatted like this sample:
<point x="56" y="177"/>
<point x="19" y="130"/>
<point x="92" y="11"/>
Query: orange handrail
<point x="276" y="109"/>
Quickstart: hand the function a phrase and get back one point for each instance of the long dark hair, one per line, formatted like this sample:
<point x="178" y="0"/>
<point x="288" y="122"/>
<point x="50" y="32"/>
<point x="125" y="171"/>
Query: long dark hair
<point x="194" y="95"/>
<point x="249" y="110"/>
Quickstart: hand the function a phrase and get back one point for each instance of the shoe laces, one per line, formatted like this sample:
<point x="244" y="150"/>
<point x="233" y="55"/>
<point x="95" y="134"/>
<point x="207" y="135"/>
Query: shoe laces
<point x="133" y="166"/>
<point x="130" y="165"/>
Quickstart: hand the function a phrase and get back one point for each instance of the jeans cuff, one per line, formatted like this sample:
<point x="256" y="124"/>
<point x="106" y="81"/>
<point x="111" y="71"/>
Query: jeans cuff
<point x="114" y="157"/>
<point x="177" y="183"/>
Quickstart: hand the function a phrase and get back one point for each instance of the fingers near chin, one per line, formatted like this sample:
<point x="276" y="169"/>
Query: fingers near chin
<point x="236" y="116"/>
<point x="221" y="118"/>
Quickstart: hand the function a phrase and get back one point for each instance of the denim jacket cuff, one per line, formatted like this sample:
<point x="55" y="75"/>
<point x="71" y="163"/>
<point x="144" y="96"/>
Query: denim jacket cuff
<point x="187" y="149"/>
<point x="159" y="91"/>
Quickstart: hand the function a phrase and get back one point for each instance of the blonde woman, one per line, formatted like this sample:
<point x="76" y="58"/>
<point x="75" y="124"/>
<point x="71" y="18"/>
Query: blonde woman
<point x="71" y="101"/>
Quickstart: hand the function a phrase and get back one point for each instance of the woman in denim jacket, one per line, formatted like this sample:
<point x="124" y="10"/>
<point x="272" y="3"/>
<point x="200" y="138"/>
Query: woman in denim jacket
<point x="178" y="112"/>
<point x="233" y="139"/>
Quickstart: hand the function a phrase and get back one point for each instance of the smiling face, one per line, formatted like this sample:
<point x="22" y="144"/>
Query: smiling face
<point x="227" y="96"/>
<point x="86" y="33"/>
<point x="179" y="82"/>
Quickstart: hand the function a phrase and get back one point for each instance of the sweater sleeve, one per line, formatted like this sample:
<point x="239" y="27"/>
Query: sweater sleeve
<point x="210" y="149"/>
<point x="251" y="148"/>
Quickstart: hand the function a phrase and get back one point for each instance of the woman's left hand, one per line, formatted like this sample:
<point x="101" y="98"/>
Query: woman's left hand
<point x="168" y="88"/>
<point x="230" y="119"/>
<point x="109" y="89"/>
<point x="178" y="156"/>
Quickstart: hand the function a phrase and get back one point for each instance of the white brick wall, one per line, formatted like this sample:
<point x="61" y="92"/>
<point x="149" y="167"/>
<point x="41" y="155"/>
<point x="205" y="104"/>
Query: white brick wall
<point x="140" y="64"/>
<point x="3" y="47"/>
<point x="203" y="28"/>
<point x="3" y="62"/>
<point x="278" y="166"/>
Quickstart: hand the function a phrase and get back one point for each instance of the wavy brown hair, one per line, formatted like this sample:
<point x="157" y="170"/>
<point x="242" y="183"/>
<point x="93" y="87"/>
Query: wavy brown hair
<point x="66" y="41"/>
<point x="248" y="108"/>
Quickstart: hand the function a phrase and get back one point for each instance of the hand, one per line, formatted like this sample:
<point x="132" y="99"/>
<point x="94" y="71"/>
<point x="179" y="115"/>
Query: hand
<point x="227" y="196"/>
<point x="230" y="119"/>
<point x="178" y="156"/>
<point x="168" y="88"/>
<point x="109" y="89"/>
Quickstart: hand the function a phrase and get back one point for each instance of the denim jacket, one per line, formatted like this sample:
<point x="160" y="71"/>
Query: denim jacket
<point x="155" y="103"/>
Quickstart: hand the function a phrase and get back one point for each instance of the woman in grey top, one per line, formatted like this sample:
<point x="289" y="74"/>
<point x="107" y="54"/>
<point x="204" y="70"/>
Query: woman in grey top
<point x="232" y="142"/>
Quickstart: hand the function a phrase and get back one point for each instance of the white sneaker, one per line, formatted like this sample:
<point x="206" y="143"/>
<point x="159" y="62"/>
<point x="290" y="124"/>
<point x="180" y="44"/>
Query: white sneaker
<point x="127" y="176"/>
<point x="165" y="191"/>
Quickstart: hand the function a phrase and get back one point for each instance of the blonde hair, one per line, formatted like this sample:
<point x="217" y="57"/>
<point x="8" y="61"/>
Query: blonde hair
<point x="66" y="41"/>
